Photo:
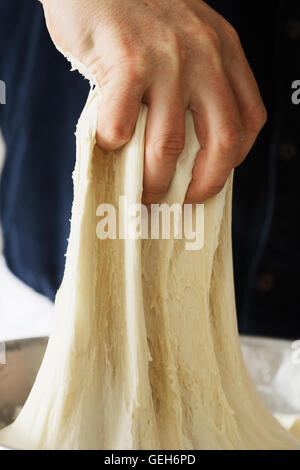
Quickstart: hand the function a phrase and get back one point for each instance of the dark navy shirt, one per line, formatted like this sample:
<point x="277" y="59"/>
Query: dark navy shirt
<point x="266" y="201"/>
<point x="43" y="103"/>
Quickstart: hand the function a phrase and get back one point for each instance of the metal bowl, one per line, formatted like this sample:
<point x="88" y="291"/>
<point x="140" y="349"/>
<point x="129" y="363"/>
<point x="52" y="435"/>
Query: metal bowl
<point x="271" y="363"/>
<point x="274" y="367"/>
<point x="22" y="361"/>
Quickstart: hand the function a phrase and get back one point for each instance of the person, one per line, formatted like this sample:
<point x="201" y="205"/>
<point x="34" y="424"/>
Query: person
<point x="172" y="55"/>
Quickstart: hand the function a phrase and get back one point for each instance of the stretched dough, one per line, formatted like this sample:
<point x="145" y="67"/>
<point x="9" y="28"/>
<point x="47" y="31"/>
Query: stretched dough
<point x="144" y="352"/>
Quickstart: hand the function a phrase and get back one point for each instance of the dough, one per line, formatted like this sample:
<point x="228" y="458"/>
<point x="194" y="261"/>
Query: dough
<point x="144" y="352"/>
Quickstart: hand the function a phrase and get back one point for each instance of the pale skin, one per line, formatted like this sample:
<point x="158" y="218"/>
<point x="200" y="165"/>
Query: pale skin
<point x="172" y="55"/>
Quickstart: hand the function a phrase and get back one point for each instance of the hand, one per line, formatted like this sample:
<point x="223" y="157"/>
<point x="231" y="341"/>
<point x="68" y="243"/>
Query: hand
<point x="171" y="55"/>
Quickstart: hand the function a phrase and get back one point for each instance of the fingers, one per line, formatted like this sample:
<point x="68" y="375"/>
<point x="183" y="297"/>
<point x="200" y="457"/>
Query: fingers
<point x="252" y="110"/>
<point x="225" y="101"/>
<point x="165" y="133"/>
<point x="220" y="132"/>
<point x="119" y="110"/>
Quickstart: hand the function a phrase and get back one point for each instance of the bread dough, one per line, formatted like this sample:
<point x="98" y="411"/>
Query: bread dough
<point x="144" y="352"/>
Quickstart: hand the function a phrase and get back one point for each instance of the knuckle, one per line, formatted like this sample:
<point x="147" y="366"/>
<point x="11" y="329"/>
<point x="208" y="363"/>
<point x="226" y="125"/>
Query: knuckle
<point x="170" y="41"/>
<point x="211" y="189"/>
<point x="259" y="116"/>
<point x="116" y="135"/>
<point x="231" y="137"/>
<point x="133" y="67"/>
<point x="211" y="37"/>
<point x="136" y="70"/>
<point x="167" y="148"/>
<point x="152" y="195"/>
<point x="171" y="51"/>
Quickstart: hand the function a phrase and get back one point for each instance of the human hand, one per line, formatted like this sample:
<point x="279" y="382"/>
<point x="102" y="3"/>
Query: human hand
<point x="172" y="55"/>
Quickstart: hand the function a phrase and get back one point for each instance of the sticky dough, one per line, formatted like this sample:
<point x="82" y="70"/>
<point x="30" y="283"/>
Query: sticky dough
<point x="144" y="352"/>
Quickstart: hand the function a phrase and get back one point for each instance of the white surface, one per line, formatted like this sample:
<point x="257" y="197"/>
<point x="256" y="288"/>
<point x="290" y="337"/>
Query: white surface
<point x="23" y="312"/>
